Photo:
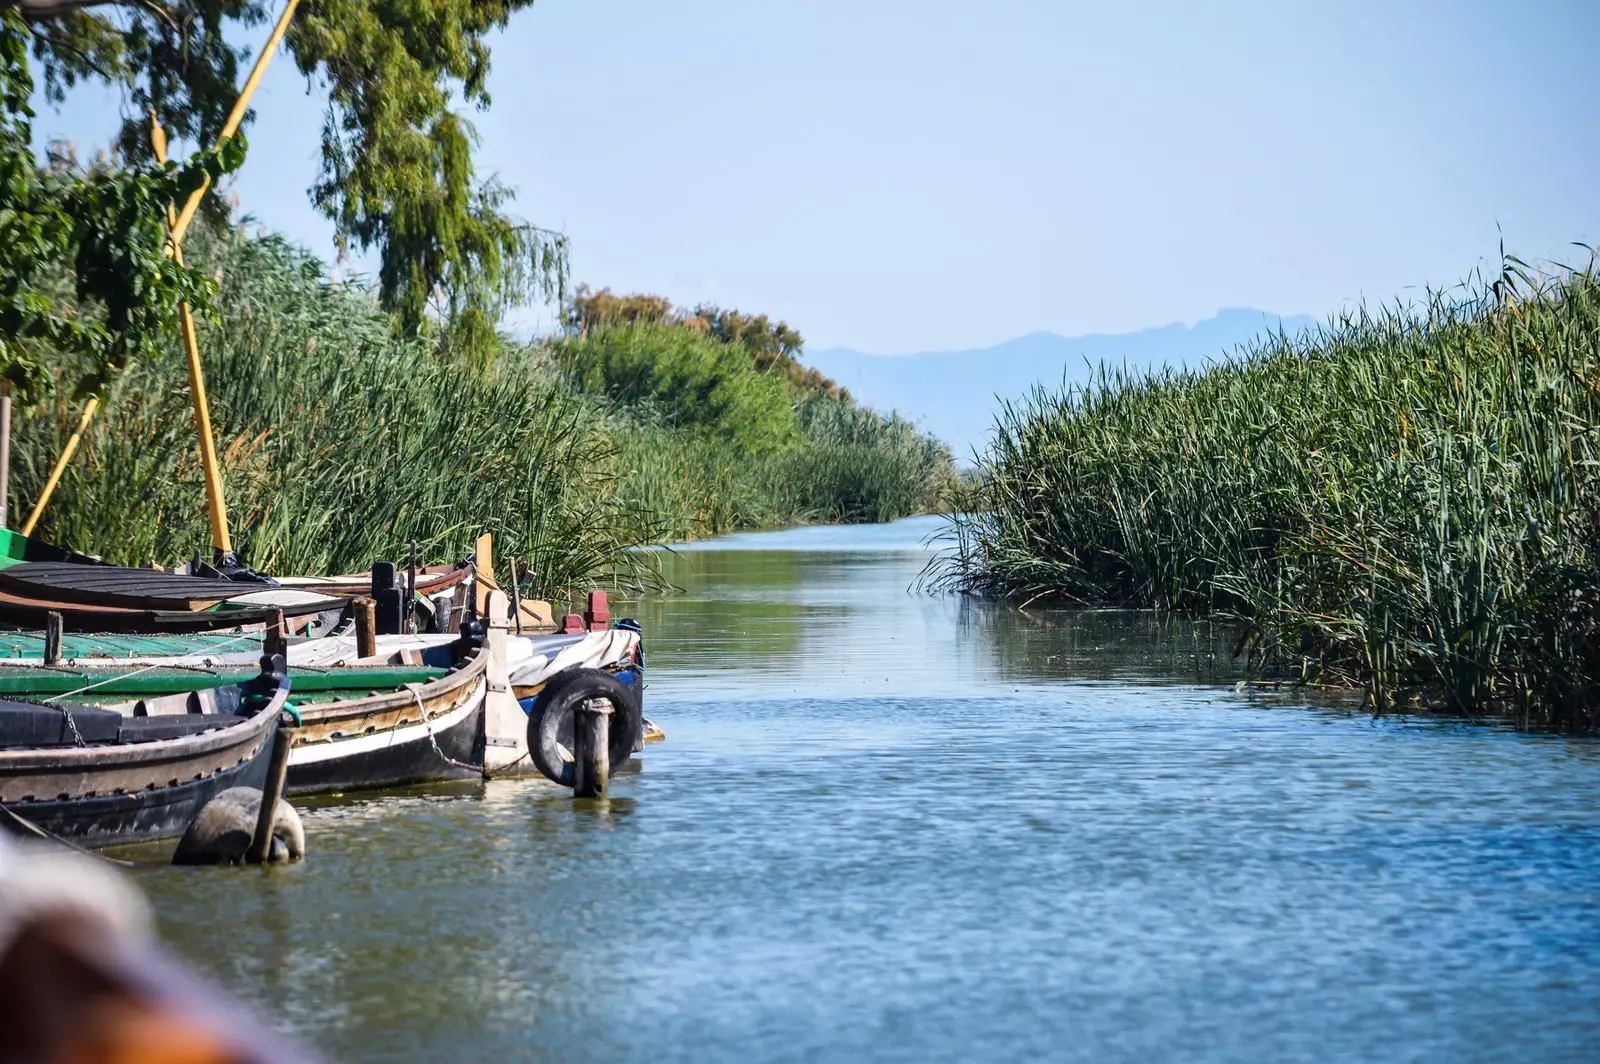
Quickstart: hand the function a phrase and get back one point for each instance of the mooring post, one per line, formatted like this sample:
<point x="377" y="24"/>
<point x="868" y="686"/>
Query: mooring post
<point x="591" y="743"/>
<point x="409" y="612"/>
<point x="366" y="627"/>
<point x="52" y="638"/>
<point x="271" y="793"/>
<point x="516" y="597"/>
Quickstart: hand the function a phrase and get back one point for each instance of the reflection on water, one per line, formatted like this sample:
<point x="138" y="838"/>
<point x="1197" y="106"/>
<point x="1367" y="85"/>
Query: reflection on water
<point x="894" y="826"/>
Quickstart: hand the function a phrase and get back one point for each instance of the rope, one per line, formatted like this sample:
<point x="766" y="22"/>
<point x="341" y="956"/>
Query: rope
<point x="43" y="834"/>
<point x="147" y="668"/>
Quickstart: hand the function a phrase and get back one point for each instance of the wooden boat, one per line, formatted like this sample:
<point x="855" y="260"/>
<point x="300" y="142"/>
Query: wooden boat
<point x="412" y="713"/>
<point x="97" y="767"/>
<point x="366" y="725"/>
<point x="428" y="729"/>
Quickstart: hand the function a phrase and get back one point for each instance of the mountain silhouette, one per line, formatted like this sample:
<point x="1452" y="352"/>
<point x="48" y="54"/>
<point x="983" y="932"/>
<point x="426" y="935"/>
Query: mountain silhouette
<point x="956" y="394"/>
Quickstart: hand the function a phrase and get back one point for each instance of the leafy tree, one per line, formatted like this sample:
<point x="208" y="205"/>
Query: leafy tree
<point x="109" y="225"/>
<point x="397" y="171"/>
<point x="686" y="379"/>
<point x="771" y="346"/>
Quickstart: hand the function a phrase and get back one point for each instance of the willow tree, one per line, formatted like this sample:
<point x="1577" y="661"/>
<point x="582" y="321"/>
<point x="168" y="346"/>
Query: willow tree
<point x="397" y="173"/>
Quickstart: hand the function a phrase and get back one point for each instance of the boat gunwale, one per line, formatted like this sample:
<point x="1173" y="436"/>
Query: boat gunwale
<point x="321" y="715"/>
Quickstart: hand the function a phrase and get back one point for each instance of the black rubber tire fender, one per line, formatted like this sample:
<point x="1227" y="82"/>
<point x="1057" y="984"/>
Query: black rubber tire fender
<point x="550" y="719"/>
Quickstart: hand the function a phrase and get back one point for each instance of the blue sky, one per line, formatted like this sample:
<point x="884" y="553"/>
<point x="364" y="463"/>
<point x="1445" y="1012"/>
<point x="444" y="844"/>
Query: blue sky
<point x="901" y="176"/>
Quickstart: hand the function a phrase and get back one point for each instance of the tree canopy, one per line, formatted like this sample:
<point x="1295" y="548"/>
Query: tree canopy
<point x="397" y="174"/>
<point x="108" y="225"/>
<point x="772" y="346"/>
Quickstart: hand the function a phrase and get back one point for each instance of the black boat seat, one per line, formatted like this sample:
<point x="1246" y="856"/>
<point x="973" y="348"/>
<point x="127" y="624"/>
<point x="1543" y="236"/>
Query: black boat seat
<point x="147" y="729"/>
<point x="27" y="724"/>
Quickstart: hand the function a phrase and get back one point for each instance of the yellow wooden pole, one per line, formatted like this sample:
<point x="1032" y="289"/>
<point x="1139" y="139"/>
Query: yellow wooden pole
<point x="236" y="116"/>
<point x="216" y="505"/>
<point x="179" y="226"/>
<point x="215" y="502"/>
<point x="61" y="466"/>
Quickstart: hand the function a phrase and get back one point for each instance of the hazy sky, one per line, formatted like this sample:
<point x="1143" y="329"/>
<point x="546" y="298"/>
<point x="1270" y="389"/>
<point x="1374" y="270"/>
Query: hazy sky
<point x="900" y="175"/>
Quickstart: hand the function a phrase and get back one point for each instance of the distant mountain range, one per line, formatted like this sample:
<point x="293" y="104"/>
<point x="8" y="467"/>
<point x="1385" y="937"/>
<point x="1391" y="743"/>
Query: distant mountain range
<point x="955" y="394"/>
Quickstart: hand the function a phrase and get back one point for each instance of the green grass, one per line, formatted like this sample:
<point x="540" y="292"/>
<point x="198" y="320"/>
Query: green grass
<point x="1406" y="500"/>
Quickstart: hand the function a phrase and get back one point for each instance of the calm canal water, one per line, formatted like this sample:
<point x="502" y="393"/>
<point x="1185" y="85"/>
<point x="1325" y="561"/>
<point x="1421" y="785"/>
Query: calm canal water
<point x="901" y="827"/>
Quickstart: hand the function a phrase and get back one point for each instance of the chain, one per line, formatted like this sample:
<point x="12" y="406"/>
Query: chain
<point x="432" y="740"/>
<point x="77" y="736"/>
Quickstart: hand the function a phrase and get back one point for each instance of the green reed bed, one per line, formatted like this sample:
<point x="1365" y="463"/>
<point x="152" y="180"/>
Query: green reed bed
<point x="1407" y="500"/>
<point x="340" y="444"/>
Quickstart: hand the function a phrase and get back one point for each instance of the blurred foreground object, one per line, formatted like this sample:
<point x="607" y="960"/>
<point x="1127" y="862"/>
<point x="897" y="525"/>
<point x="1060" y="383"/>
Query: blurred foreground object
<point x="82" y="982"/>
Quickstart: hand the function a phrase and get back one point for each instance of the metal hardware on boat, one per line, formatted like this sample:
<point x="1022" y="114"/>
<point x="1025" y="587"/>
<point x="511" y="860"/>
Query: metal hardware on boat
<point x="389" y="602"/>
<point x="443" y="606"/>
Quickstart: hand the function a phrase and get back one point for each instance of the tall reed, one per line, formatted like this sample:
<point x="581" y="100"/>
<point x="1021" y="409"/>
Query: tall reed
<point x="1408" y="499"/>
<point x="341" y="444"/>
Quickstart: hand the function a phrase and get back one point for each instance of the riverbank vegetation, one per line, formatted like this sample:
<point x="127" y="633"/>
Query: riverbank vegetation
<point x="1407" y="500"/>
<point x="344" y="436"/>
<point x="721" y="427"/>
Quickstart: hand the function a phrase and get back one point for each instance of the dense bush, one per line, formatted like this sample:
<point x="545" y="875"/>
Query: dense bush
<point x="689" y="379"/>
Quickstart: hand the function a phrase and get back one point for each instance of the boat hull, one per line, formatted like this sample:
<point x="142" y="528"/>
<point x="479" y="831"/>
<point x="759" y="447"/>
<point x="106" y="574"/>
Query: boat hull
<point x="100" y="794"/>
<point x="148" y="816"/>
<point x="446" y="747"/>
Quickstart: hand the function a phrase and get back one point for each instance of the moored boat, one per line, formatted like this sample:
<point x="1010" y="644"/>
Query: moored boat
<point x="423" y="708"/>
<point x="98" y="768"/>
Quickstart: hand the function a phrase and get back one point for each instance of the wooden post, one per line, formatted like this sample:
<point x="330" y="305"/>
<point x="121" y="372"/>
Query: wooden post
<point x="236" y="116"/>
<point x="5" y="456"/>
<point x="277" y="639"/>
<point x="366" y="627"/>
<point x="591" y="741"/>
<point x="408" y="619"/>
<point x="52" y="638"/>
<point x="180" y="225"/>
<point x="221" y="542"/>
<point x="277" y="770"/>
<point x="516" y="597"/>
